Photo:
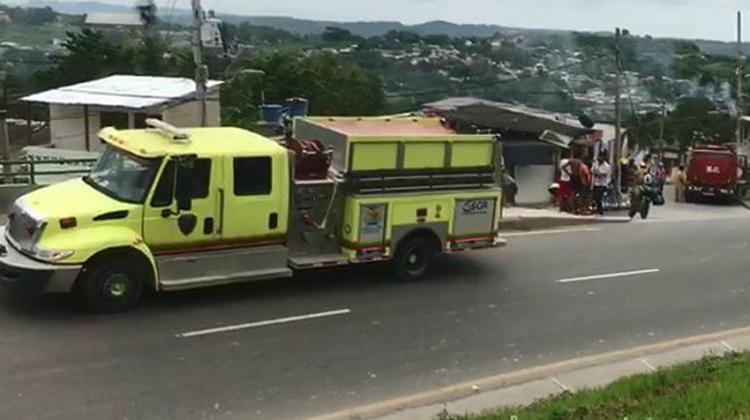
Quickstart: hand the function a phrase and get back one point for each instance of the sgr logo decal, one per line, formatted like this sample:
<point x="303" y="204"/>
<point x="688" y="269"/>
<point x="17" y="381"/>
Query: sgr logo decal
<point x="476" y="207"/>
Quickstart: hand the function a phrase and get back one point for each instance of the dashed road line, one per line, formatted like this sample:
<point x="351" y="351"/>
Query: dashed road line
<point x="256" y="324"/>
<point x="728" y="346"/>
<point x="560" y="384"/>
<point x="608" y="276"/>
<point x="648" y="365"/>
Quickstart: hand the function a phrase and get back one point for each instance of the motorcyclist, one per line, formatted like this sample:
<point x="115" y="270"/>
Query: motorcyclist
<point x="644" y="177"/>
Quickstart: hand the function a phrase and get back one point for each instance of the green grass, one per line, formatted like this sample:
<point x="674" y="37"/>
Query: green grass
<point x="712" y="388"/>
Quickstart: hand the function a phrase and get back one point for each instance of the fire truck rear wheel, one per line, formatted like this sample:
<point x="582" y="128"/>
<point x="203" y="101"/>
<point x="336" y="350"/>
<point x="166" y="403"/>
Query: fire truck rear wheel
<point x="414" y="258"/>
<point x="112" y="283"/>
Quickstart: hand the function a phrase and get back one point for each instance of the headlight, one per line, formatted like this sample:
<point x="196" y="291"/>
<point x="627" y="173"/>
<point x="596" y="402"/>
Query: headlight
<point x="51" y="256"/>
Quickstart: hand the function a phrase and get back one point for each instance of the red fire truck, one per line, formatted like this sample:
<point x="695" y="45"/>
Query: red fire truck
<point x="713" y="171"/>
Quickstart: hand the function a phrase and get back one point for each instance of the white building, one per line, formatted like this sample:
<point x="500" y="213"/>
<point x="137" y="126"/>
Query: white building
<point x="78" y="112"/>
<point x="107" y="21"/>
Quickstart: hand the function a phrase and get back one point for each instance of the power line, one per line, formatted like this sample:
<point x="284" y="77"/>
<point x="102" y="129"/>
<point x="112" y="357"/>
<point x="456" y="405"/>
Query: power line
<point x="488" y="84"/>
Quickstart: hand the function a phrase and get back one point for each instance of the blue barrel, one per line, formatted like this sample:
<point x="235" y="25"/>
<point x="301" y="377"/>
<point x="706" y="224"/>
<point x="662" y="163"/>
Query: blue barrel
<point x="297" y="107"/>
<point x="271" y="113"/>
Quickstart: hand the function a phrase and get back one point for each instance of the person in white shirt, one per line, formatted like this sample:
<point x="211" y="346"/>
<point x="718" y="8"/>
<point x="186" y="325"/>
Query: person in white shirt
<point x="602" y="174"/>
<point x="564" y="191"/>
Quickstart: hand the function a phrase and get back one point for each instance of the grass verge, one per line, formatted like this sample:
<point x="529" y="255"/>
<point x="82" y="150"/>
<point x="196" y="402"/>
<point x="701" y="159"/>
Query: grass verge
<point x="711" y="388"/>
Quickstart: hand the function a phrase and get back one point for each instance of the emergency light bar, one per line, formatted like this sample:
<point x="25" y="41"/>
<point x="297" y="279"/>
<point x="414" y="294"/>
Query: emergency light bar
<point x="168" y="130"/>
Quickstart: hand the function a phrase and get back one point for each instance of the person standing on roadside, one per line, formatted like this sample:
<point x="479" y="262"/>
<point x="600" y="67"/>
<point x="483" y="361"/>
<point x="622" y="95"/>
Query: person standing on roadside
<point x="564" y="191"/>
<point x="680" y="183"/>
<point x="573" y="168"/>
<point x="602" y="173"/>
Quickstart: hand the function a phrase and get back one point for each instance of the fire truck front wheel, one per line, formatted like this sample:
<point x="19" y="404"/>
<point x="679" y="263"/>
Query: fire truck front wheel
<point x="414" y="257"/>
<point x="111" y="283"/>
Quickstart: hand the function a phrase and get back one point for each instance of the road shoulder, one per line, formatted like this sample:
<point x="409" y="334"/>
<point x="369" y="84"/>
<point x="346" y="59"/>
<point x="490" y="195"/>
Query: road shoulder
<point x="525" y="386"/>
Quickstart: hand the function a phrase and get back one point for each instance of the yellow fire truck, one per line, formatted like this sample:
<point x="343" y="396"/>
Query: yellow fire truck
<point x="171" y="209"/>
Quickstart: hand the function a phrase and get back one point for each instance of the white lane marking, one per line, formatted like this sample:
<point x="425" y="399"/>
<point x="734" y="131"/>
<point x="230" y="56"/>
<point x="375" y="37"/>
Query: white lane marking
<point x="728" y="346"/>
<point x="648" y="365"/>
<point x="560" y="384"/>
<point x="608" y="276"/>
<point x="547" y="232"/>
<point x="261" y="323"/>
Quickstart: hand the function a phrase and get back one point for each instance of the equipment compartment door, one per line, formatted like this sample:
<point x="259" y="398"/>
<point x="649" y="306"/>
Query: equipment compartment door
<point x="372" y="218"/>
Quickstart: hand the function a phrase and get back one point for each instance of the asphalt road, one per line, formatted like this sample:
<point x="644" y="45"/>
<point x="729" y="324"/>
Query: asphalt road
<point x="684" y="273"/>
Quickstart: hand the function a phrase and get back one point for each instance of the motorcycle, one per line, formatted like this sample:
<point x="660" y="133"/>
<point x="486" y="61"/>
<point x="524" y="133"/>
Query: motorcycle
<point x="642" y="196"/>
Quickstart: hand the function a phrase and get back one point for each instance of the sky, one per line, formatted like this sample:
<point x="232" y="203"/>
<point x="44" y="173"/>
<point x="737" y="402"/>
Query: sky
<point x="705" y="19"/>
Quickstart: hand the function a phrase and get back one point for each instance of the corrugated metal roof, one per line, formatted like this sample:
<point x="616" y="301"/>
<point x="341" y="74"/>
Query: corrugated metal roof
<point x="517" y="117"/>
<point x="122" y="91"/>
<point x="113" y="19"/>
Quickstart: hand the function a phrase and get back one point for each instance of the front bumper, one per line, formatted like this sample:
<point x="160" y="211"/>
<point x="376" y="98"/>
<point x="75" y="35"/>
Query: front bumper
<point x="710" y="191"/>
<point x="24" y="274"/>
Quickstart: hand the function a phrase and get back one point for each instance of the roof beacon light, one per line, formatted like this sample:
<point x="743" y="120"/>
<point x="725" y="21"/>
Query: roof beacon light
<point x="168" y="130"/>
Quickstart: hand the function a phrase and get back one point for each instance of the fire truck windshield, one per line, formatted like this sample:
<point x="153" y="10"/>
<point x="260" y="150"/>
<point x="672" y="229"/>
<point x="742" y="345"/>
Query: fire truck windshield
<point x="123" y="176"/>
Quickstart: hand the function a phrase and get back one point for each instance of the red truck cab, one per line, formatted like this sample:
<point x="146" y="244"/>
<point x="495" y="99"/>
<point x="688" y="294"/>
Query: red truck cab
<point x="712" y="171"/>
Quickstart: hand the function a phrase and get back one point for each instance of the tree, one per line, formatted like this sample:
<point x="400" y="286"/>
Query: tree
<point x="437" y="39"/>
<point x="402" y="37"/>
<point x="90" y="56"/>
<point x="34" y="16"/>
<point x="332" y="85"/>
<point x="151" y="57"/>
<point x="334" y="34"/>
<point x="252" y="34"/>
<point x="693" y="118"/>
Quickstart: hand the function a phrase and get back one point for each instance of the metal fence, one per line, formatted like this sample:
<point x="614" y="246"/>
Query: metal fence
<point x="42" y="171"/>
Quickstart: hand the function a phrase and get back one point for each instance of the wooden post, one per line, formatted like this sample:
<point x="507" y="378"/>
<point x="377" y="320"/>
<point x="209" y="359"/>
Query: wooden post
<point x="86" y="129"/>
<point x="32" y="170"/>
<point x="29" y="129"/>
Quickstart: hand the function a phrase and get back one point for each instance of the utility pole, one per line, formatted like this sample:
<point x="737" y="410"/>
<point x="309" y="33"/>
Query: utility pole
<point x="618" y="117"/>
<point x="740" y="75"/>
<point x="5" y="147"/>
<point x="4" y="89"/>
<point x="201" y="70"/>
<point x="4" y="138"/>
<point x="661" y="129"/>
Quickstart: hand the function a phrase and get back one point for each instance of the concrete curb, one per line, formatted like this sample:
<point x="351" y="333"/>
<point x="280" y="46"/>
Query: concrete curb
<point x="466" y="396"/>
<point x="550" y="222"/>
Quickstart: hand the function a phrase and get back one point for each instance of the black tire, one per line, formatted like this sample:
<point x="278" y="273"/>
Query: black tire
<point x="645" y="208"/>
<point x="110" y="284"/>
<point x="633" y="208"/>
<point x="414" y="258"/>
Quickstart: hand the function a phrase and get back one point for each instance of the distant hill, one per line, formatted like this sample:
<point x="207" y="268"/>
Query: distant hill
<point x="366" y="29"/>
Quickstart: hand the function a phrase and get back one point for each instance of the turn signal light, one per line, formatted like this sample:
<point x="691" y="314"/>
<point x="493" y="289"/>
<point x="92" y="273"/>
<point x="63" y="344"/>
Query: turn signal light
<point x="68" y="223"/>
